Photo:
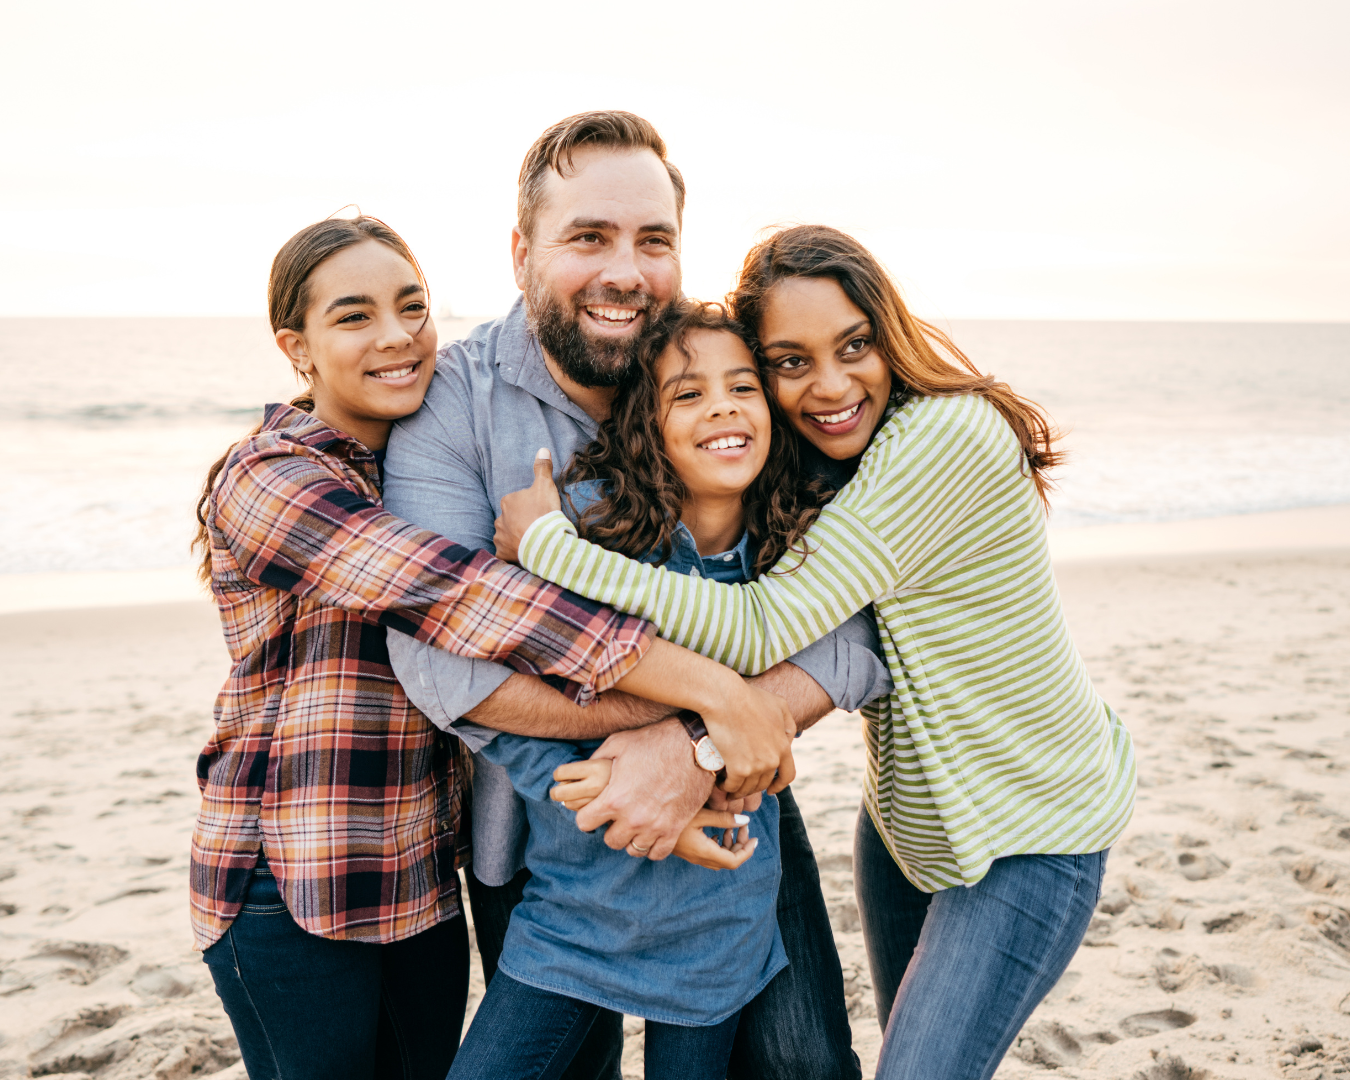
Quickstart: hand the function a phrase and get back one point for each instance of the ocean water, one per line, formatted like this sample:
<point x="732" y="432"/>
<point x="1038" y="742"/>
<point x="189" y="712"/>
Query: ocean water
<point x="111" y="423"/>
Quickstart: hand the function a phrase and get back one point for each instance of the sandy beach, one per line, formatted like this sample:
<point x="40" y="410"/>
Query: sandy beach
<point x="1222" y="944"/>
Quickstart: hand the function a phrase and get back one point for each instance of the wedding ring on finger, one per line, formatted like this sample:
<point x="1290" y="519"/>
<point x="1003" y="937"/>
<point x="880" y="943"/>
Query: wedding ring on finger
<point x="640" y="850"/>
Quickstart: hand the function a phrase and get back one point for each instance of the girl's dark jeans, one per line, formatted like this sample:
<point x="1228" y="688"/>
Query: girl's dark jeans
<point x="304" y="1006"/>
<point x="797" y="1029"/>
<point x="525" y="1033"/>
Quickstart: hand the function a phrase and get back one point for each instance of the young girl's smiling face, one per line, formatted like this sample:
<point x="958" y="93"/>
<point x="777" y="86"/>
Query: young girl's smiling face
<point x="714" y="417"/>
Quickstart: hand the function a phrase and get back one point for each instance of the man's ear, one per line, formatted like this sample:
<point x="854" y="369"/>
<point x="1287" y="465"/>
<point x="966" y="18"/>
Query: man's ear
<point x="520" y="250"/>
<point x="293" y="345"/>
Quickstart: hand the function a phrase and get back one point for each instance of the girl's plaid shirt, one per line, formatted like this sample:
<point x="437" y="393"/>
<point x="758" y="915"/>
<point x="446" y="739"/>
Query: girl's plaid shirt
<point x="317" y="752"/>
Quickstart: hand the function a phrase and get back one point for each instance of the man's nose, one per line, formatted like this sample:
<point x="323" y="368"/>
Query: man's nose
<point x="621" y="270"/>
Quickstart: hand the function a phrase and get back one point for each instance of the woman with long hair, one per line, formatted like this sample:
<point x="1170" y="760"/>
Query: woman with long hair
<point x="324" y="881"/>
<point x="996" y="777"/>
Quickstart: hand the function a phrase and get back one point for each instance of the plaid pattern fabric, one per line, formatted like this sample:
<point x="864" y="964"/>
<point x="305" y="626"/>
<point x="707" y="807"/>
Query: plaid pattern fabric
<point x="317" y="754"/>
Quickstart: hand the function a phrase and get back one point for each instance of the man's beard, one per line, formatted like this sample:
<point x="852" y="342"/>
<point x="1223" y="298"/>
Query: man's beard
<point x="587" y="361"/>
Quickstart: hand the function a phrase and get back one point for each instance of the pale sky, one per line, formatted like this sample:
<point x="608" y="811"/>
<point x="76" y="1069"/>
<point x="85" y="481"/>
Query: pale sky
<point x="1162" y="159"/>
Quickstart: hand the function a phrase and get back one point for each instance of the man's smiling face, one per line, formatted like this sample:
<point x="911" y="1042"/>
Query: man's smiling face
<point x="603" y="260"/>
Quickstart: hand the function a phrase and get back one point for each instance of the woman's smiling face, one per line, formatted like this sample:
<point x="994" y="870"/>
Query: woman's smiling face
<point x="714" y="418"/>
<point x="830" y="378"/>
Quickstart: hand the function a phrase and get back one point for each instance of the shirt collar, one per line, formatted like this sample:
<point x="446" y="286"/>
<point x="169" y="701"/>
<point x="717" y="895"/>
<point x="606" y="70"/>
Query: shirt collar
<point x="520" y="359"/>
<point x="306" y="428"/>
<point x="685" y="540"/>
<point x="684" y="552"/>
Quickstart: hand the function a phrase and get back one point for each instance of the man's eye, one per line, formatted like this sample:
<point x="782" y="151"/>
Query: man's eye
<point x="589" y="238"/>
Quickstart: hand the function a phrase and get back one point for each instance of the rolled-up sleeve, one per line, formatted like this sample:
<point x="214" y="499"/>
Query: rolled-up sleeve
<point x="444" y="686"/>
<point x="848" y="663"/>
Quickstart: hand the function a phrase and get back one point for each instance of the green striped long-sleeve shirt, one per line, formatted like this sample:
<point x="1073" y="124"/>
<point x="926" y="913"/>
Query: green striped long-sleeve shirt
<point x="993" y="741"/>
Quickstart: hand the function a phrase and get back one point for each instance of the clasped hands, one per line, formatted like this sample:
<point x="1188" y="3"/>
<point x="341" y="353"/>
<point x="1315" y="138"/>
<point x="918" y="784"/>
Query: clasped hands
<point x="580" y="783"/>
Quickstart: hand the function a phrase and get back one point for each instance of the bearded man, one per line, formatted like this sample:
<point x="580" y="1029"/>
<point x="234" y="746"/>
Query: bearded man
<point x="596" y="253"/>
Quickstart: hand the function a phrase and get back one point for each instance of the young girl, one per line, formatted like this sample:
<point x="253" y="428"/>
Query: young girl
<point x="323" y="879"/>
<point x="997" y="778"/>
<point x="692" y="473"/>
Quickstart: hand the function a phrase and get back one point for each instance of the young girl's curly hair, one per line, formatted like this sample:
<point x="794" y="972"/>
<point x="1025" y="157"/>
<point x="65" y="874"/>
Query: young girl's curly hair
<point x="641" y="494"/>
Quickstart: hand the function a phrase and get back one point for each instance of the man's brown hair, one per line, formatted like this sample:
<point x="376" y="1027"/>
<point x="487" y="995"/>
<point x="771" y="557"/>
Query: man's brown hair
<point x="554" y="148"/>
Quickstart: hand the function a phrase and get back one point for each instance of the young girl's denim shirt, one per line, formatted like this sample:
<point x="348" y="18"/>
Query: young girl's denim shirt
<point x="667" y="941"/>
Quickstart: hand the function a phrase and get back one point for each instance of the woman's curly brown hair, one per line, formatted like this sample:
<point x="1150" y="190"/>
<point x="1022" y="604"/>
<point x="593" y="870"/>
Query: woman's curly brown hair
<point x="643" y="496"/>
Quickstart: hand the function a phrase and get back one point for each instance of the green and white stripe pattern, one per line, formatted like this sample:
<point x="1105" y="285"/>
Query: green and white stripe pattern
<point x="994" y="741"/>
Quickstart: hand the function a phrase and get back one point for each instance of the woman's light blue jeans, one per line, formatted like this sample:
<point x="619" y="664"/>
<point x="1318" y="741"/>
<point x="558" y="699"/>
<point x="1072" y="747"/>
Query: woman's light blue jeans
<point x="957" y="973"/>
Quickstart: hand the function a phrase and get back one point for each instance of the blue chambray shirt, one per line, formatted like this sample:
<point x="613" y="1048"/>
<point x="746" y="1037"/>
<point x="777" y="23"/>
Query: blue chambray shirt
<point x="667" y="941"/>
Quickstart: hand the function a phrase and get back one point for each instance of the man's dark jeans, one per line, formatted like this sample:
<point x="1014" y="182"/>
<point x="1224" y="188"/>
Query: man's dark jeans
<point x="303" y="1005"/>
<point x="797" y="1029"/>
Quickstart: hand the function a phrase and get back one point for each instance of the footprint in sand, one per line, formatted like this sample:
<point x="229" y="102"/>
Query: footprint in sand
<point x="1055" y="1046"/>
<point x="77" y="961"/>
<point x="1174" y="972"/>
<point x="1333" y="923"/>
<point x="1139" y="1025"/>
<point x="1317" y="875"/>
<point x="1114" y="902"/>
<point x="1228" y="924"/>
<point x="58" y="1038"/>
<point x="1199" y="867"/>
<point x="158" y="982"/>
<point x="117" y="1041"/>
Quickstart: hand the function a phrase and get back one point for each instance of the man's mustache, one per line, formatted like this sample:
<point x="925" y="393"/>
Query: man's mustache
<point x="614" y="298"/>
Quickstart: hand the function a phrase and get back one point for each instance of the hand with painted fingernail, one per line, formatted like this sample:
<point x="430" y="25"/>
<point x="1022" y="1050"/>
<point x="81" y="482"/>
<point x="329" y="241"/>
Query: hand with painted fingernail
<point x="697" y="847"/>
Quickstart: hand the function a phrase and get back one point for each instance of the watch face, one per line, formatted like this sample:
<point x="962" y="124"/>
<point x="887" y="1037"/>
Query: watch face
<point x="707" y="756"/>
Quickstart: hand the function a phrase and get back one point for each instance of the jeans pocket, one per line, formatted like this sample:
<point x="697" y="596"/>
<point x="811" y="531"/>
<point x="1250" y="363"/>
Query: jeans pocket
<point x="263" y="897"/>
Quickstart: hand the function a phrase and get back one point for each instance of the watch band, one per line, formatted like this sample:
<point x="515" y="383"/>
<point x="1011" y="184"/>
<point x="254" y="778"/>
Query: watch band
<point x="693" y="724"/>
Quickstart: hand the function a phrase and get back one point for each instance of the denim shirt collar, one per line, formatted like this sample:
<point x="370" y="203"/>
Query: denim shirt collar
<point x="521" y="360"/>
<point x="684" y="556"/>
